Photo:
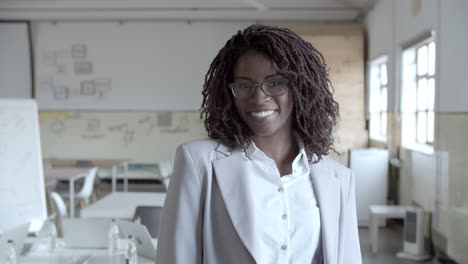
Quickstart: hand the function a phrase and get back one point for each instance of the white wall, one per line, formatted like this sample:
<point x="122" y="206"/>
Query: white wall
<point x="15" y="62"/>
<point x="453" y="56"/>
<point x="160" y="65"/>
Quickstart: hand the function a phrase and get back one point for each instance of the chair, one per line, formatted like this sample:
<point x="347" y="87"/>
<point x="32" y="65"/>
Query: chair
<point x="165" y="170"/>
<point x="87" y="190"/>
<point x="149" y="216"/>
<point x="59" y="209"/>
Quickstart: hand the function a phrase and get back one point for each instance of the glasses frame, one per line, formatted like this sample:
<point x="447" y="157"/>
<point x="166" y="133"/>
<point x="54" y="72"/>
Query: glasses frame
<point x="256" y="85"/>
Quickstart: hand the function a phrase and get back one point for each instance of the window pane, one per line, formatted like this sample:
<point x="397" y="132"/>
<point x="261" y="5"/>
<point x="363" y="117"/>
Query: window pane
<point x="374" y="92"/>
<point x="421" y="127"/>
<point x="383" y="99"/>
<point x="409" y="89"/>
<point x="431" y="61"/>
<point x="422" y="60"/>
<point x="422" y="94"/>
<point x="430" y="94"/>
<point x="375" y="125"/>
<point x="430" y="127"/>
<point x="383" y="124"/>
<point x="409" y="56"/>
<point x="383" y="74"/>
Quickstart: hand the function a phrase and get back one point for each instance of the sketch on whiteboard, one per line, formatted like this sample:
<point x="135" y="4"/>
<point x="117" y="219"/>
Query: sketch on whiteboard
<point x="118" y="128"/>
<point x="87" y="88"/>
<point x="83" y="67"/>
<point x="57" y="127"/>
<point x="60" y="92"/>
<point x="93" y="125"/>
<point x="128" y="138"/>
<point x="165" y="119"/>
<point x="79" y="51"/>
<point x="182" y="127"/>
<point x="102" y="86"/>
<point x="61" y="68"/>
<point x="92" y="136"/>
<point x="61" y="54"/>
<point x="144" y="120"/>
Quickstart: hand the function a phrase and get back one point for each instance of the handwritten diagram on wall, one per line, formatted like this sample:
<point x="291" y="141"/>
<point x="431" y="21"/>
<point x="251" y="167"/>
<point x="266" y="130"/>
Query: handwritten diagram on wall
<point x="137" y="136"/>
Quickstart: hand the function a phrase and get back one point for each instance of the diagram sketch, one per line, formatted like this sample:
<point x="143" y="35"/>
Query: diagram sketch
<point x="83" y="67"/>
<point x="128" y="138"/>
<point x="57" y="127"/>
<point x="79" y="51"/>
<point x="119" y="127"/>
<point x="60" y="92"/>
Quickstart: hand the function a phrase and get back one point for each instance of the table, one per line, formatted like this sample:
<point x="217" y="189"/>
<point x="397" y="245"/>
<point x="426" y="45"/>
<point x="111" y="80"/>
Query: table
<point x="70" y="175"/>
<point x="114" y="164"/>
<point x="63" y="255"/>
<point x="377" y="212"/>
<point x="122" y="205"/>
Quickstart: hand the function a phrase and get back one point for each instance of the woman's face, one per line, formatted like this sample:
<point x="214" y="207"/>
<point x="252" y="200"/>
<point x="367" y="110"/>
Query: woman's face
<point x="264" y="115"/>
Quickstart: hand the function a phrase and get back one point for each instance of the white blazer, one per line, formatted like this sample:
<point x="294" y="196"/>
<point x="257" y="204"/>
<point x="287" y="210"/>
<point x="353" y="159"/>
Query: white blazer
<point x="209" y="214"/>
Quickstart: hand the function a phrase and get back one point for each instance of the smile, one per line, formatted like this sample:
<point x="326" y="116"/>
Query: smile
<point x="262" y="114"/>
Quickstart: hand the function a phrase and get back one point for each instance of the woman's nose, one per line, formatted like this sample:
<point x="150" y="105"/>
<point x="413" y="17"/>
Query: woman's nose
<point x="259" y="96"/>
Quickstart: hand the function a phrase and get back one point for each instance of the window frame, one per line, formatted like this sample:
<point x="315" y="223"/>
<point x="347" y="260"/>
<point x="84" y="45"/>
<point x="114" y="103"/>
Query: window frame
<point x="376" y="88"/>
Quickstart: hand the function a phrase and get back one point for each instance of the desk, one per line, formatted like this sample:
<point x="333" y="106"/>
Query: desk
<point x="63" y="255"/>
<point x="382" y="211"/>
<point x="122" y="205"/>
<point x="70" y="175"/>
<point x="113" y="164"/>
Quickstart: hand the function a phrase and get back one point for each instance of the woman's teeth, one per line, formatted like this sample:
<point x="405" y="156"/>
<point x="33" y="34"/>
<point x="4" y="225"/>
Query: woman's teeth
<point x="262" y="114"/>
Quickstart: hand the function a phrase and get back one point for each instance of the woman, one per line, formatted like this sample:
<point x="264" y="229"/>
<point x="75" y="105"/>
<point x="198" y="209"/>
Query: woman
<point x="261" y="189"/>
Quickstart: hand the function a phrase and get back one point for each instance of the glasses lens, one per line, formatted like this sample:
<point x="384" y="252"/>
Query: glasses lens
<point x="242" y="89"/>
<point x="275" y="87"/>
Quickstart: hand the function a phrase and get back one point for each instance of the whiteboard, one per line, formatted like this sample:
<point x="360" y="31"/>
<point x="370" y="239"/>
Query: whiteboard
<point x="136" y="66"/>
<point x="22" y="195"/>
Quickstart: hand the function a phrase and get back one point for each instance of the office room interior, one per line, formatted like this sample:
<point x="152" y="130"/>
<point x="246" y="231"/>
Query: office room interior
<point x="95" y="97"/>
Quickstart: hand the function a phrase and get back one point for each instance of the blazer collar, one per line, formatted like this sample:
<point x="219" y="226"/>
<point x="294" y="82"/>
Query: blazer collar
<point x="237" y="190"/>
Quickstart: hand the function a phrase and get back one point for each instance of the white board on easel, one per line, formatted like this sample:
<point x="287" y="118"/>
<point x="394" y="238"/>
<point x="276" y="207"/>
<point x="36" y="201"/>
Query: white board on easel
<point x="22" y="194"/>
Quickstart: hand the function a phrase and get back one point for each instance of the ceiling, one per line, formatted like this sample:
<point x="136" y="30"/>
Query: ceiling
<point x="238" y="10"/>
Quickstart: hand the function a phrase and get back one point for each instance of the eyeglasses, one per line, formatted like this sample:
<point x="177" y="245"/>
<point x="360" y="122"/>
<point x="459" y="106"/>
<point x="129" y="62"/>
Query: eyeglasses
<point x="244" y="89"/>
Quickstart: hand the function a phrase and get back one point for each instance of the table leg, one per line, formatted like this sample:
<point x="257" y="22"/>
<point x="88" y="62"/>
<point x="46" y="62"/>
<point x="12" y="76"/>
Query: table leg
<point x="373" y="233"/>
<point x="125" y="177"/>
<point x="114" y="178"/>
<point x="72" y="197"/>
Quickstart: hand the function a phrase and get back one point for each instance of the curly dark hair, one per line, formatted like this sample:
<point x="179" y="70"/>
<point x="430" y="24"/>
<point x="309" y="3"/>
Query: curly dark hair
<point x="315" y="111"/>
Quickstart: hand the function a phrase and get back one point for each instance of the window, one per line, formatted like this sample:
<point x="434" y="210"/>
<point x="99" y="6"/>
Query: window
<point x="378" y="99"/>
<point x="418" y="94"/>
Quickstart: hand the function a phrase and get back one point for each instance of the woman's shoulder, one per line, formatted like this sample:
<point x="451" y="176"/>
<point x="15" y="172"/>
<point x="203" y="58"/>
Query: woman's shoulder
<point x="202" y="144"/>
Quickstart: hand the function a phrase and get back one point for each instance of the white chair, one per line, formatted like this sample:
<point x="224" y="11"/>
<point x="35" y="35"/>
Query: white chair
<point x="58" y="205"/>
<point x="165" y="170"/>
<point x="86" y="191"/>
<point x="59" y="209"/>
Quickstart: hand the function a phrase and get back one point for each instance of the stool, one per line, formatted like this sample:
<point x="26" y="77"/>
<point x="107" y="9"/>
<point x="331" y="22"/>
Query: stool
<point x="377" y="212"/>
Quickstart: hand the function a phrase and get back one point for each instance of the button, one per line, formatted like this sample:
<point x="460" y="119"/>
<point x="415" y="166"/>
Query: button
<point x="294" y="171"/>
<point x="284" y="216"/>
<point x="284" y="247"/>
<point x="280" y="189"/>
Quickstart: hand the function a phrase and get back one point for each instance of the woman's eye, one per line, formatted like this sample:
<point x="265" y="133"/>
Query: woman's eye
<point x="245" y="85"/>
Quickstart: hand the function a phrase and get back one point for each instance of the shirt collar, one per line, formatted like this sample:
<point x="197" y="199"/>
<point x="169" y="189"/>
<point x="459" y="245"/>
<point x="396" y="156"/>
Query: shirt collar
<point x="253" y="150"/>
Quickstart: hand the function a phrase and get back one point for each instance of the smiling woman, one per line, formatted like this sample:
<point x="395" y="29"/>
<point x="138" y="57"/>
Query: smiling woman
<point x="261" y="189"/>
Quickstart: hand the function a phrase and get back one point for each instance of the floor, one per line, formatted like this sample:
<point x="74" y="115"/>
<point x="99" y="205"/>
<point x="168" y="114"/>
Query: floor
<point x="390" y="243"/>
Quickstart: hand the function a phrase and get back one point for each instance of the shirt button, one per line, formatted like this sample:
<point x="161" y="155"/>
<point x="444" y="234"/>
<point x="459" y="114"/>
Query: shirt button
<point x="284" y="216"/>
<point x="284" y="247"/>
<point x="280" y="189"/>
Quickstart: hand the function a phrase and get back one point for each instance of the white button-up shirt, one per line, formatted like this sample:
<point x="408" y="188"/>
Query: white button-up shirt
<point x="291" y="215"/>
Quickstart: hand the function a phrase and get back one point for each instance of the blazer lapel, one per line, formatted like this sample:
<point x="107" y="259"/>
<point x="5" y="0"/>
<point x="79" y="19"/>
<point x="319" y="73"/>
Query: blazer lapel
<point x="327" y="189"/>
<point x="237" y="190"/>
